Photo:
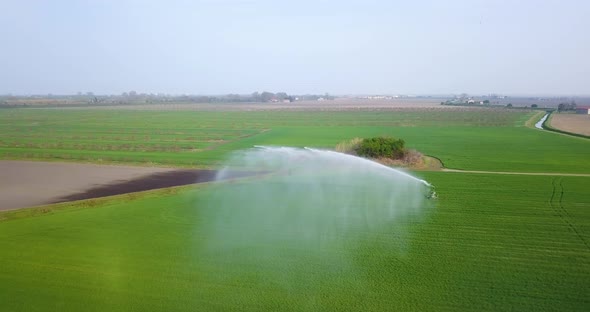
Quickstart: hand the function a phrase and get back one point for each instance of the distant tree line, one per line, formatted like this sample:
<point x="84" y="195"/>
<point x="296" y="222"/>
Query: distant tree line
<point x="133" y="97"/>
<point x="265" y="96"/>
<point x="465" y="102"/>
<point x="565" y="106"/>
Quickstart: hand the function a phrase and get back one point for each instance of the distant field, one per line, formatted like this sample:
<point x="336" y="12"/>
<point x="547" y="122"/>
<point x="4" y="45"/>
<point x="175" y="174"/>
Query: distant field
<point x="573" y="123"/>
<point x="476" y="139"/>
<point x="339" y="104"/>
<point x="493" y="243"/>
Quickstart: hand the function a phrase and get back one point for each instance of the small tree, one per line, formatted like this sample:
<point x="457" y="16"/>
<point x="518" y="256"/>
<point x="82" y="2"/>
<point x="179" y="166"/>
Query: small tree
<point x="509" y="105"/>
<point x="382" y="147"/>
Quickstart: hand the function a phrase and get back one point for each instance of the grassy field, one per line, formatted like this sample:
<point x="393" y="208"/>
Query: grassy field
<point x="471" y="140"/>
<point x="489" y="242"/>
<point x="492" y="243"/>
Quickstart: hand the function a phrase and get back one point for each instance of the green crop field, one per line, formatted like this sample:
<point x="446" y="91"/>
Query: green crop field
<point x="489" y="242"/>
<point x="471" y="140"/>
<point x="493" y="242"/>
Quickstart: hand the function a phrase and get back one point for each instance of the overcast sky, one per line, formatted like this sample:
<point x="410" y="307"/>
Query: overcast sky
<point x="341" y="47"/>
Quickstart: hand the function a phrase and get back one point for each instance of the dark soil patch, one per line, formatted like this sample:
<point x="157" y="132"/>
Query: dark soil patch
<point x="151" y="182"/>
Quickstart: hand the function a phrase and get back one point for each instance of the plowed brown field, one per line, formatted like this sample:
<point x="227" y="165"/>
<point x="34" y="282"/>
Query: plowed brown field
<point x="29" y="183"/>
<point x="579" y="124"/>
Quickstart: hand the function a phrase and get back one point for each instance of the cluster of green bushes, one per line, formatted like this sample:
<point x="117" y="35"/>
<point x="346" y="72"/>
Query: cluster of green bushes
<point x="381" y="147"/>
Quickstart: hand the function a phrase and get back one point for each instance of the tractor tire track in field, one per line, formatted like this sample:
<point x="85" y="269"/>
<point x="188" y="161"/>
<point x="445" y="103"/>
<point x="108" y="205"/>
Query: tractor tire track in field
<point x="556" y="203"/>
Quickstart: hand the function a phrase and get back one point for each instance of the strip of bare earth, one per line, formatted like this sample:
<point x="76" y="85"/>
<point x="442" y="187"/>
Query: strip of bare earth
<point x="30" y="183"/>
<point x="6" y="215"/>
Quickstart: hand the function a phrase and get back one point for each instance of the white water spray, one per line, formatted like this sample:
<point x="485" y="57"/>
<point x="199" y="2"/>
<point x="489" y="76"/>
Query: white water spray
<point x="306" y="218"/>
<point x="310" y="196"/>
<point x="369" y="162"/>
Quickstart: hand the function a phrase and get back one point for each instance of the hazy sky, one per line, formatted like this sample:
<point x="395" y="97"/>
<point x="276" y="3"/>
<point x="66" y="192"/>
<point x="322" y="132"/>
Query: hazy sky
<point x="340" y="47"/>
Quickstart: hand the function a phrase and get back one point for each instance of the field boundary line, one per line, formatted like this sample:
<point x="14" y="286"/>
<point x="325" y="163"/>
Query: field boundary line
<point x="519" y="173"/>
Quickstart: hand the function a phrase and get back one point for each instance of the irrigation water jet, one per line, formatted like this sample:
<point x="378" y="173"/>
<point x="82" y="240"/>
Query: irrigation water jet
<point x="311" y="206"/>
<point x="355" y="158"/>
<point x="310" y="195"/>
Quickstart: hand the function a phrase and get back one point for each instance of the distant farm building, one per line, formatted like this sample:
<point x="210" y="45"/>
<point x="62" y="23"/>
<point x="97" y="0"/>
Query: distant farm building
<point x="583" y="110"/>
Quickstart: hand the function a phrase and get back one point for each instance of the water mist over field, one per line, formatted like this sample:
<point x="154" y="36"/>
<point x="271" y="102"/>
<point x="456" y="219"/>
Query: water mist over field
<point x="310" y="206"/>
<point x="313" y="195"/>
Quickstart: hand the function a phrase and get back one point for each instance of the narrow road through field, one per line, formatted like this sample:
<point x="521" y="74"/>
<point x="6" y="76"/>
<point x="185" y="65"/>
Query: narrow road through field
<point x="520" y="173"/>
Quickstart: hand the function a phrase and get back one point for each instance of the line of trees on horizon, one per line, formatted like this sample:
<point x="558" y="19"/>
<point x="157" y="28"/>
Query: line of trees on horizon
<point x="566" y="106"/>
<point x="132" y="97"/>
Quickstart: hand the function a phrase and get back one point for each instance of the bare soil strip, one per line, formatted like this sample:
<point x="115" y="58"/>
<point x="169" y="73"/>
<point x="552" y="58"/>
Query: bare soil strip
<point x="29" y="183"/>
<point x="151" y="182"/>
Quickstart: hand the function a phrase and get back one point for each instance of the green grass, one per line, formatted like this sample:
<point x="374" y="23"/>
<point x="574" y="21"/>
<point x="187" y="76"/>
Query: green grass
<point x="492" y="243"/>
<point x="475" y="140"/>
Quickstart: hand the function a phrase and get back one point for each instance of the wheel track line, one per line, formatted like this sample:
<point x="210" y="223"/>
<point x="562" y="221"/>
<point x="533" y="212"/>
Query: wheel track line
<point x="560" y="210"/>
<point x="561" y="198"/>
<point x="567" y="219"/>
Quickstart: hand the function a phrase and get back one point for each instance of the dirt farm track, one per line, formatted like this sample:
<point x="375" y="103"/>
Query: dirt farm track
<point x="30" y="183"/>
